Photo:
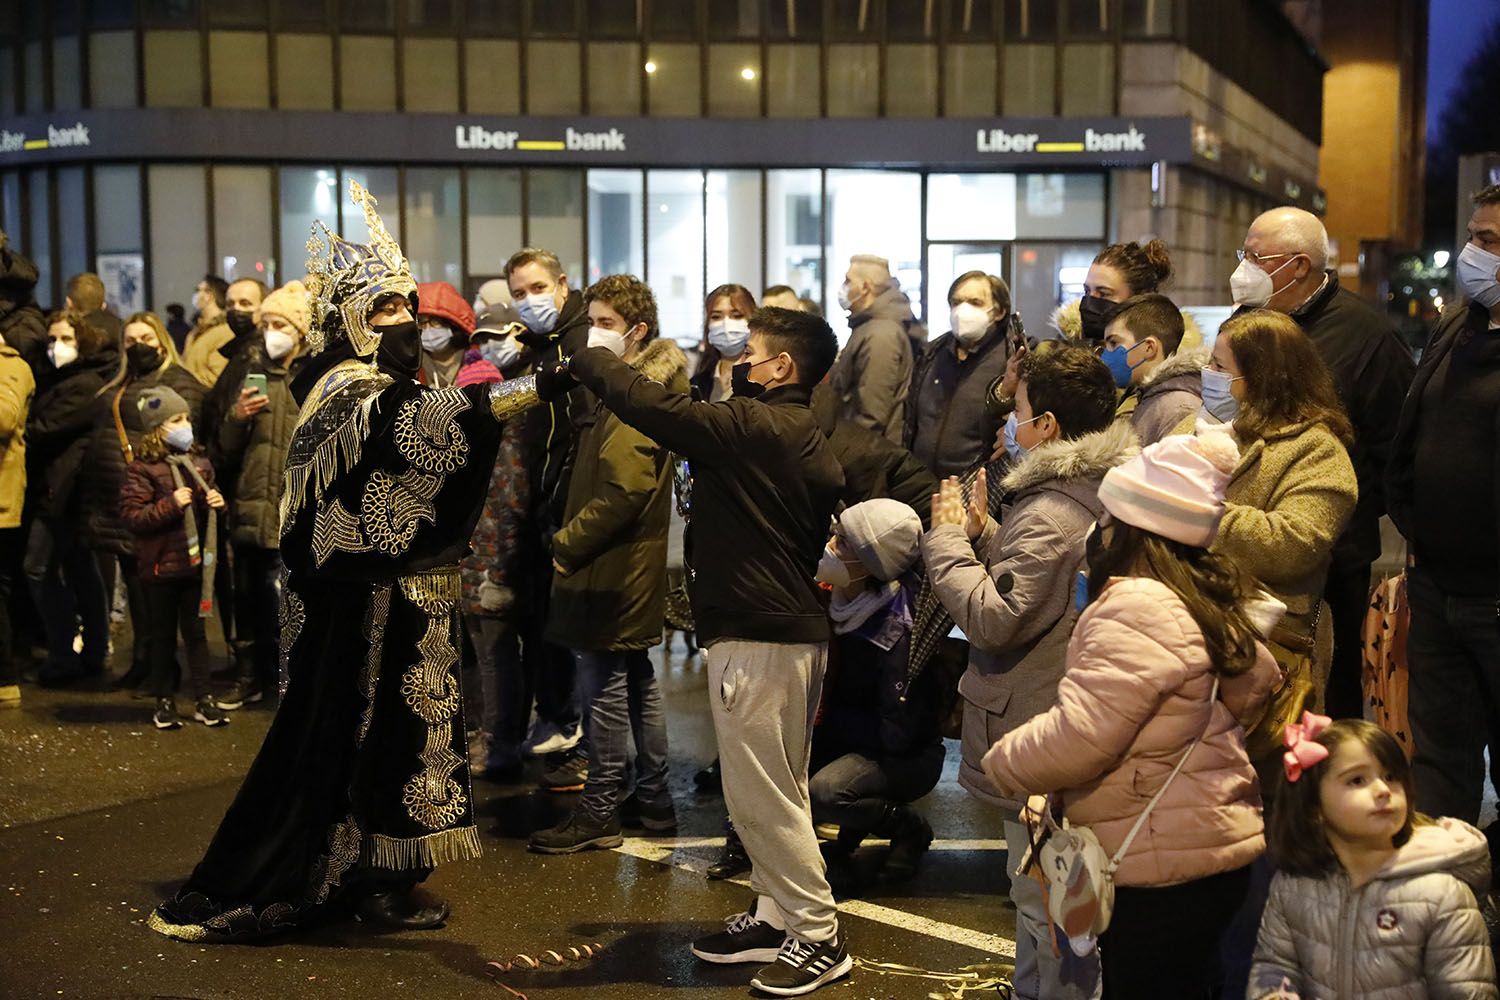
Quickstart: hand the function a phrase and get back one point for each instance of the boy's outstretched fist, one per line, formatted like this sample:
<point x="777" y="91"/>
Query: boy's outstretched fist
<point x="553" y="380"/>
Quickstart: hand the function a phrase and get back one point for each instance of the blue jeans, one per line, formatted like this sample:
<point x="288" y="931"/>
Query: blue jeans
<point x="505" y="696"/>
<point x="620" y="695"/>
<point x="1453" y="651"/>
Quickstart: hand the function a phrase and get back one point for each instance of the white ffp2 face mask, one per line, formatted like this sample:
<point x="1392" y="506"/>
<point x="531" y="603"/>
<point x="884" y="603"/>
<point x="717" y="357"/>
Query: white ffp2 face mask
<point x="62" y="354"/>
<point x="611" y="340"/>
<point x="1250" y="285"/>
<point x="969" y="323"/>
<point x="278" y="344"/>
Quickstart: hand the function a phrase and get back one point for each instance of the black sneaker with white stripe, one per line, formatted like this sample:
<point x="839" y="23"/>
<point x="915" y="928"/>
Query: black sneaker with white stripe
<point x="802" y="966"/>
<point x="744" y="939"/>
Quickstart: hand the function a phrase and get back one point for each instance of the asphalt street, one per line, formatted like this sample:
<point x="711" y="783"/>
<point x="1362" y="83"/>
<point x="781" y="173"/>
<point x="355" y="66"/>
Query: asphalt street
<point x="101" y="815"/>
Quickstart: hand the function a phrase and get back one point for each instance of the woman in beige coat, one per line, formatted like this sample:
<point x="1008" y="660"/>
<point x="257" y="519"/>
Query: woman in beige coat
<point x="1294" y="488"/>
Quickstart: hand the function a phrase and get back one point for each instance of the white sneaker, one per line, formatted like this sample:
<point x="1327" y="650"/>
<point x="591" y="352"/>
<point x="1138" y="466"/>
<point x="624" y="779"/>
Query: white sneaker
<point x="555" y="741"/>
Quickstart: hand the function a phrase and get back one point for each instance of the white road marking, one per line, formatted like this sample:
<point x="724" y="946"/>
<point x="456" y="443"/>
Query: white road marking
<point x="674" y="852"/>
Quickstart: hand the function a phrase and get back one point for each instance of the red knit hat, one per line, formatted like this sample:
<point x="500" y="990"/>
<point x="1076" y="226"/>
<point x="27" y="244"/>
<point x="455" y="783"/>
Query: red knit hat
<point x="441" y="300"/>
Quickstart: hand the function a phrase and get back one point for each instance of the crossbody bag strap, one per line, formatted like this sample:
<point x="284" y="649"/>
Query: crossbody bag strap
<point x="1140" y="821"/>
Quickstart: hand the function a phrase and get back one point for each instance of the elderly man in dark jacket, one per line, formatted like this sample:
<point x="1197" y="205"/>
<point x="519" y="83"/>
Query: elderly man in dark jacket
<point x="1285" y="267"/>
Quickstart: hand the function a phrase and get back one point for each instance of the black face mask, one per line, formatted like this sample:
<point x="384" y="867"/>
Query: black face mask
<point x="1095" y="314"/>
<point x="739" y="381"/>
<point x="142" y="359"/>
<point x="240" y="323"/>
<point x="400" y="350"/>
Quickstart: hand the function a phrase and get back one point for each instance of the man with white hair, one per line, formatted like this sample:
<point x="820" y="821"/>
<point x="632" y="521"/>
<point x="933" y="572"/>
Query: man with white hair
<point x="1284" y="266"/>
<point x="873" y="372"/>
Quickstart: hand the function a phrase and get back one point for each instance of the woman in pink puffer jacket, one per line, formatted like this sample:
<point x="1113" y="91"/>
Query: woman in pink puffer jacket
<point x="1165" y="618"/>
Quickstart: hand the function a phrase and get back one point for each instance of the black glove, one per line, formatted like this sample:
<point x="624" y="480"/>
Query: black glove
<point x="553" y="380"/>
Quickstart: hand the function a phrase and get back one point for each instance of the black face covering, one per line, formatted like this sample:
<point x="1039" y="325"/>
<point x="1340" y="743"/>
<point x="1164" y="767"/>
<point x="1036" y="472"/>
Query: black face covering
<point x="1095" y="313"/>
<point x="142" y="359"/>
<point x="240" y="323"/>
<point x="740" y="384"/>
<point x="400" y="350"/>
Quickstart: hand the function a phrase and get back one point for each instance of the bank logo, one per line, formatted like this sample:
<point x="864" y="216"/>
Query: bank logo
<point x="997" y="140"/>
<point x="479" y="137"/>
<point x="15" y="142"/>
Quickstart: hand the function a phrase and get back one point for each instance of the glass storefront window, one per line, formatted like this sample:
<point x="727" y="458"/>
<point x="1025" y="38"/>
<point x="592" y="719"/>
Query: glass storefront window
<point x="433" y="216"/>
<point x="8" y="94"/>
<point x="971" y="206"/>
<point x="617" y="242"/>
<point x="367" y="73"/>
<point x="384" y="183"/>
<point x="876" y="212"/>
<point x="304" y="72"/>
<point x="732" y="229"/>
<point x="553" y="75"/>
<point x="1030" y="85"/>
<point x="1031" y="20"/>
<point x="308" y="195"/>
<point x="674" y="249"/>
<point x="614" y="78"/>
<point x="492" y="77"/>
<point x="853" y="81"/>
<point x="1147" y="18"/>
<point x="734" y="18"/>
<point x="674" y="19"/>
<point x="112" y="75"/>
<point x="1044" y="275"/>
<point x="33" y="70"/>
<point x="494" y="221"/>
<point x="911" y="81"/>
<point x="795" y="19"/>
<point x="173" y="61"/>
<point x="674" y="80"/>
<point x="1060" y="206"/>
<point x="794" y="231"/>
<point x="911" y="21"/>
<point x="555" y="215"/>
<point x="792" y="83"/>
<point x="856" y="18"/>
<point x="554" y="17"/>
<point x="1086" y="18"/>
<point x="67" y="74"/>
<point x="117" y="228"/>
<point x="241" y="69"/>
<point x="242" y="224"/>
<point x="430" y="69"/>
<point x="734" y="77"/>
<point x="179" y="253"/>
<point x="612" y="19"/>
<point x="10" y="204"/>
<point x="72" y="223"/>
<point x="38" y="244"/>
<point x="969" y="81"/>
<point x="1088" y="80"/>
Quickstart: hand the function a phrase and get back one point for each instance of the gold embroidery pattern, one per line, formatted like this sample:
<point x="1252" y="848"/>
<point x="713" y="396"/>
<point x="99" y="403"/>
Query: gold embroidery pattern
<point x="433" y="797"/>
<point x="336" y="530"/>
<point x="344" y="840"/>
<point x="394" y="506"/>
<point x="293" y="617"/>
<point x="369" y="676"/>
<point x="330" y="434"/>
<point x="428" y="436"/>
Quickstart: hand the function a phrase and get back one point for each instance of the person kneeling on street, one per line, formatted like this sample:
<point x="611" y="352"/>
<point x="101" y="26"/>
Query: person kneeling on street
<point x="877" y="748"/>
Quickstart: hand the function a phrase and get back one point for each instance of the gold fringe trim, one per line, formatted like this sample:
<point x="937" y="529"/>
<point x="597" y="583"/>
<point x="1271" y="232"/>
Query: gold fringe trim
<point x="403" y="853"/>
<point x="341" y="449"/>
<point x="425" y="589"/>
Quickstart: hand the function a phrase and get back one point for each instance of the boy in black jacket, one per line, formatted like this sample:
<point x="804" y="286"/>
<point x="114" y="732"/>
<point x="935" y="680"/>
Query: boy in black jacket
<point x="765" y="484"/>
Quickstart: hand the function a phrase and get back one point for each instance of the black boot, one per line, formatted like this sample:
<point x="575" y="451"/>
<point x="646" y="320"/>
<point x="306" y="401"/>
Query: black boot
<point x="733" y="861"/>
<point x="910" y="838"/>
<point x="402" y="909"/>
<point x="709" y="779"/>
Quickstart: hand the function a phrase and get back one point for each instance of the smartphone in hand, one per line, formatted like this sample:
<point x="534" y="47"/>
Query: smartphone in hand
<point x="256" y="383"/>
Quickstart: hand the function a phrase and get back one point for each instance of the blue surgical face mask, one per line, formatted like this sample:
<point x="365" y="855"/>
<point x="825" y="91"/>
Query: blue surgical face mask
<point x="179" y="438"/>
<point x="500" y="353"/>
<point x="1117" y="360"/>
<point x="538" y="312"/>
<point x="1217" y="399"/>
<point x="1013" y="447"/>
<point x="729" y="336"/>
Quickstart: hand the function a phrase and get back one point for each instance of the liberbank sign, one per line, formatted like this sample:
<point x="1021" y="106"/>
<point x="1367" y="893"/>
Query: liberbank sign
<point x="347" y="137"/>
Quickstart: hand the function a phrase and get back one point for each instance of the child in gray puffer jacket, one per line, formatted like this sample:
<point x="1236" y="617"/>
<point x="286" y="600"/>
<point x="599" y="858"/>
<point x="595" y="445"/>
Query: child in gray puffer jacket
<point x="1371" y="900"/>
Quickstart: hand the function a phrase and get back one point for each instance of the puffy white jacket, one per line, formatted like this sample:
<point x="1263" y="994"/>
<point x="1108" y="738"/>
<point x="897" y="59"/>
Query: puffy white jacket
<point x="1411" y="932"/>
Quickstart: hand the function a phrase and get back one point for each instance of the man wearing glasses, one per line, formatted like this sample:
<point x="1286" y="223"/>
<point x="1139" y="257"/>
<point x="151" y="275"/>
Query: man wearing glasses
<point x="1284" y="266"/>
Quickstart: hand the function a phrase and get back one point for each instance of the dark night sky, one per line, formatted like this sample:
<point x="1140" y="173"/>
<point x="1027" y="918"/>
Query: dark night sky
<point x="1455" y="30"/>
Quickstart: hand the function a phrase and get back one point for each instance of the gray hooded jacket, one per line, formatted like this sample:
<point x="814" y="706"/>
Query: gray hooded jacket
<point x="872" y="375"/>
<point x="1410" y="933"/>
<point x="1016" y="603"/>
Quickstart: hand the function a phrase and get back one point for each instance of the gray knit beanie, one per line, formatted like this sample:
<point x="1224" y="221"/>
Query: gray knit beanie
<point x="159" y="404"/>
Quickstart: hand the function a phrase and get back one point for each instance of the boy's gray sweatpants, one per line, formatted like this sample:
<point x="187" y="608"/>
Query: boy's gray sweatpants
<point x="764" y="696"/>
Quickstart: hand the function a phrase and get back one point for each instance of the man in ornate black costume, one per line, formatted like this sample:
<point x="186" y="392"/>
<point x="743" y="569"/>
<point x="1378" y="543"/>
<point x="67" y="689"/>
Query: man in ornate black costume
<point x="362" y="785"/>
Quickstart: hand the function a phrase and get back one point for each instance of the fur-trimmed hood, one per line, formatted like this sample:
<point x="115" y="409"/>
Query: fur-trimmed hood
<point x="1065" y="321"/>
<point x="1184" y="362"/>
<point x="661" y="360"/>
<point x="1091" y="455"/>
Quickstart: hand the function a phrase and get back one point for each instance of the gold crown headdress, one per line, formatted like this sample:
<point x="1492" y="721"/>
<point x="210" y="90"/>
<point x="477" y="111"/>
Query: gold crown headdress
<point x="345" y="279"/>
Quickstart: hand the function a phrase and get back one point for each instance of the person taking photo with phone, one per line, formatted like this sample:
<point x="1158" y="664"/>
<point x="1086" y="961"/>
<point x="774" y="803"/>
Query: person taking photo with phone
<point x="252" y="439"/>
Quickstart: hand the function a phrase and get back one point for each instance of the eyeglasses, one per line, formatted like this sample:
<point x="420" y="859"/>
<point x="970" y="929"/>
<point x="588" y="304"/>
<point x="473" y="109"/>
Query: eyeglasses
<point x="1255" y="258"/>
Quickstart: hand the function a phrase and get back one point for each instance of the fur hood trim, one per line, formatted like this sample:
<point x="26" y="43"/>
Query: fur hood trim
<point x="1091" y="455"/>
<point x="1184" y="362"/>
<point x="660" y="360"/>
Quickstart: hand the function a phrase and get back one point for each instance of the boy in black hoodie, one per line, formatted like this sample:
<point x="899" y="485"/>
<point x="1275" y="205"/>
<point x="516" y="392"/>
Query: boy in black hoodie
<point x="765" y="484"/>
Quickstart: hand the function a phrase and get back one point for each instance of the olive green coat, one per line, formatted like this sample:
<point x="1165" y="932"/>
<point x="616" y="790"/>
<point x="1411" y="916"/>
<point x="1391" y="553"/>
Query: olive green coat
<point x="613" y="543"/>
